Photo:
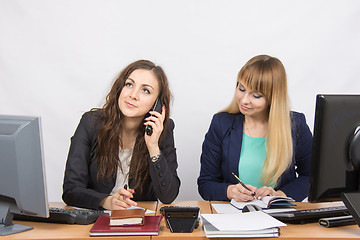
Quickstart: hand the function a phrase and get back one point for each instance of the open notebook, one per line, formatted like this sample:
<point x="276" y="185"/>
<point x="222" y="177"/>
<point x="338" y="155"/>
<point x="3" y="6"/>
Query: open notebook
<point x="266" y="202"/>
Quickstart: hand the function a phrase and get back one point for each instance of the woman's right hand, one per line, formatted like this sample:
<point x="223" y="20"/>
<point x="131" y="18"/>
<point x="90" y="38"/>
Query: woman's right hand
<point x="239" y="193"/>
<point x="120" y="200"/>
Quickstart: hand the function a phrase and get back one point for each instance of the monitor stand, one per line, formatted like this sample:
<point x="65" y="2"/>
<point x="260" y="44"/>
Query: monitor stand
<point x="7" y="227"/>
<point x="352" y="203"/>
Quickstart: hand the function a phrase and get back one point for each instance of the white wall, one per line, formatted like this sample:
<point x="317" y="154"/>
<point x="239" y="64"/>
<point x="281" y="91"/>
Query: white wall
<point x="59" y="58"/>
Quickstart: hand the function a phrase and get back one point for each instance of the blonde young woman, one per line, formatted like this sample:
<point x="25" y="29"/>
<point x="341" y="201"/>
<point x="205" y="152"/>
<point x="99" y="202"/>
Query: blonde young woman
<point x="258" y="138"/>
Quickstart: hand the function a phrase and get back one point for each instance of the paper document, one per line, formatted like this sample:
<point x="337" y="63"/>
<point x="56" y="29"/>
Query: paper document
<point x="225" y="208"/>
<point x="213" y="232"/>
<point x="243" y="221"/>
<point x="228" y="208"/>
<point x="147" y="210"/>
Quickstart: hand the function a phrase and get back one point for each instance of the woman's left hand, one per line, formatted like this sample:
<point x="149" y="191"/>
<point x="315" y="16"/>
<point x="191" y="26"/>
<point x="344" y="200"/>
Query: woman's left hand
<point x="268" y="191"/>
<point x="156" y="121"/>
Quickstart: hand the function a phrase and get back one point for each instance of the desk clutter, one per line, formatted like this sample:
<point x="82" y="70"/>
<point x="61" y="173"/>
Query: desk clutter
<point x="244" y="225"/>
<point x="134" y="222"/>
<point x="102" y="227"/>
<point x="211" y="225"/>
<point x="127" y="222"/>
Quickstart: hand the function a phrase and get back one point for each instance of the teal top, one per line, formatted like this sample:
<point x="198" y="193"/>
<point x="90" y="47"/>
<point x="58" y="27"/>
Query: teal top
<point x="251" y="164"/>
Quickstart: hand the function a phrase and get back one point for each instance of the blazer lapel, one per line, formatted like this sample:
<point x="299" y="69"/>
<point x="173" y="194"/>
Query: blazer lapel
<point x="236" y="135"/>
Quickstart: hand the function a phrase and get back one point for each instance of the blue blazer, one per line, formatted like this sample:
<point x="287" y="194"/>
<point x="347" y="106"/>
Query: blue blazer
<point x="221" y="154"/>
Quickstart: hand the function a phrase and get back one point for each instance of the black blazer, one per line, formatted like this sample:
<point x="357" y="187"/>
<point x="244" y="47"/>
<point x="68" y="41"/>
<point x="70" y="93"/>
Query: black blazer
<point x="81" y="187"/>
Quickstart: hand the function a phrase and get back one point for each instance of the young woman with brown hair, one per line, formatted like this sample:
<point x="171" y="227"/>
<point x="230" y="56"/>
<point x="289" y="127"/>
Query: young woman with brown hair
<point x="110" y="149"/>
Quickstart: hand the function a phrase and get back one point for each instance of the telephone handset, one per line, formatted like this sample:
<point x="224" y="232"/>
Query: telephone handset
<point x="157" y="107"/>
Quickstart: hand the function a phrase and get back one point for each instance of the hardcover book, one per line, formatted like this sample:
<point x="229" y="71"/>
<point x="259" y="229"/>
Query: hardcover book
<point x="102" y="227"/>
<point x="127" y="217"/>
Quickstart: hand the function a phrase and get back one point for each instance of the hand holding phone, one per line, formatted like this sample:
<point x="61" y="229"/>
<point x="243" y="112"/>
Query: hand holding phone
<point x="157" y="107"/>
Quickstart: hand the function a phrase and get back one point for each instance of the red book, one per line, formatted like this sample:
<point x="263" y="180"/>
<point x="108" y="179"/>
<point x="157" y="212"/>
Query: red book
<point x="102" y="227"/>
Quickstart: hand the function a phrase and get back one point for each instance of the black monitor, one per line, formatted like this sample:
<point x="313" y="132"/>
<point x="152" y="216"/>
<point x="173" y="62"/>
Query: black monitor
<point x="22" y="173"/>
<point x="336" y="147"/>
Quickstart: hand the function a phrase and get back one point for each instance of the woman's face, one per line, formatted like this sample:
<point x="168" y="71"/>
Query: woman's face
<point x="139" y="93"/>
<point x="250" y="103"/>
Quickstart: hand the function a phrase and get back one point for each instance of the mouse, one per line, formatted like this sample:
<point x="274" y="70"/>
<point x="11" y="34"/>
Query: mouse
<point x="251" y="208"/>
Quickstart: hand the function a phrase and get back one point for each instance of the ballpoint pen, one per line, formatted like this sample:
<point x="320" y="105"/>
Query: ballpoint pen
<point x="125" y="187"/>
<point x="242" y="184"/>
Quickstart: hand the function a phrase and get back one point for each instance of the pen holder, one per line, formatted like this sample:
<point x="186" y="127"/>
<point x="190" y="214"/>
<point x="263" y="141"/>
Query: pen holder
<point x="181" y="219"/>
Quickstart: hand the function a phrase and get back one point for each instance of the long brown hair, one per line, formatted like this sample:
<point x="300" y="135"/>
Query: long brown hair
<point x="267" y="75"/>
<point x="108" y="139"/>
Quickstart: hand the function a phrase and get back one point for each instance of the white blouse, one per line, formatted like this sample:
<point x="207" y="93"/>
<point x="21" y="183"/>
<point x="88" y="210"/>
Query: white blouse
<point x="122" y="176"/>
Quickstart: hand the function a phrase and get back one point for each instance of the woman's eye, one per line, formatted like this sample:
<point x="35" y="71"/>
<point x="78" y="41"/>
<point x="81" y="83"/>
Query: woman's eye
<point x="146" y="91"/>
<point x="128" y="84"/>
<point x="257" y="95"/>
<point x="241" y="88"/>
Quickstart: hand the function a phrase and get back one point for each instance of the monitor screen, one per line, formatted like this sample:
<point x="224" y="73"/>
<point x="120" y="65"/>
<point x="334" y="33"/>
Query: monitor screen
<point x="336" y="147"/>
<point x="22" y="174"/>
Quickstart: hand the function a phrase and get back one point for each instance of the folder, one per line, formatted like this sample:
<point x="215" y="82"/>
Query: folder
<point x="213" y="232"/>
<point x="241" y="225"/>
<point x="150" y="228"/>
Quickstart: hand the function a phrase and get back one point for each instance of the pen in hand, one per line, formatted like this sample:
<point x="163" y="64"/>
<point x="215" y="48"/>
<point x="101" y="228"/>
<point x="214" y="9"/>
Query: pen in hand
<point x="125" y="187"/>
<point x="242" y="184"/>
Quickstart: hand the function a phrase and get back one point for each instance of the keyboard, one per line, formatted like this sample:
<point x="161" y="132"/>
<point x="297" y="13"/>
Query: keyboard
<point x="66" y="215"/>
<point x="310" y="215"/>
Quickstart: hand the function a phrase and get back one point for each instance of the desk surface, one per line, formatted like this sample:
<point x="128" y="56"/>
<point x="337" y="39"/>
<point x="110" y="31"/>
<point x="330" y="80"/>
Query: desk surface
<point x="315" y="231"/>
<point x="68" y="231"/>
<point x="291" y="232"/>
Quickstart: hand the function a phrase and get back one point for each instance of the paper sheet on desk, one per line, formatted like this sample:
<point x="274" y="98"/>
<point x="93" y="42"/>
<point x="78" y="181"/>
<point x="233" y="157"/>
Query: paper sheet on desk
<point x="225" y="208"/>
<point x="228" y="208"/>
<point x="245" y="221"/>
<point x="147" y="210"/>
<point x="132" y="207"/>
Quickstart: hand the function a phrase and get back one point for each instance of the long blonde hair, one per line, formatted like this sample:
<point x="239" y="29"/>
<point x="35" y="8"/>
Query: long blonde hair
<point x="267" y="75"/>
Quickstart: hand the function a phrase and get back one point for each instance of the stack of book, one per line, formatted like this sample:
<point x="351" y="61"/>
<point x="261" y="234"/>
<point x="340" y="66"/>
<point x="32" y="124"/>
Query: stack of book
<point x="129" y="222"/>
<point x="241" y="225"/>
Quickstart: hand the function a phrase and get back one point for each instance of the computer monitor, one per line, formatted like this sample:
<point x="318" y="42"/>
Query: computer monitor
<point x="22" y="174"/>
<point x="336" y="147"/>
